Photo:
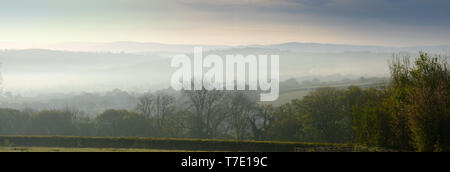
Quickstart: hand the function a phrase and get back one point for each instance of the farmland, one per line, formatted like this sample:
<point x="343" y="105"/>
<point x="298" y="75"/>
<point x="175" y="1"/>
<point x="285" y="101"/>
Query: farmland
<point x="61" y="149"/>
<point x="286" y="96"/>
<point x="133" y="144"/>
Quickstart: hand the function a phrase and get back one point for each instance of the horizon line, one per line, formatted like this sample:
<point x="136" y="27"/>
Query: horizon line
<point x="30" y="43"/>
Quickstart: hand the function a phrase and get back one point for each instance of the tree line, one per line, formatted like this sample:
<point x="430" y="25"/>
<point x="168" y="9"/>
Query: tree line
<point x="409" y="113"/>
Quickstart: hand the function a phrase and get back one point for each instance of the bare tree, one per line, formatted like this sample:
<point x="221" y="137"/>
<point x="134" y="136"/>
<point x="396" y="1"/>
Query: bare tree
<point x="157" y="106"/>
<point x="145" y="105"/>
<point x="261" y="120"/>
<point x="163" y="107"/>
<point x="206" y="105"/>
<point x="241" y="108"/>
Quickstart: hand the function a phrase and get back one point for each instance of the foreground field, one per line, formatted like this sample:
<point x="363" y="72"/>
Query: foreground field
<point x="70" y="143"/>
<point x="59" y="149"/>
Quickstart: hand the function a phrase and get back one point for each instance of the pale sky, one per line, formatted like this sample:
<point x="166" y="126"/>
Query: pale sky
<point x="227" y="22"/>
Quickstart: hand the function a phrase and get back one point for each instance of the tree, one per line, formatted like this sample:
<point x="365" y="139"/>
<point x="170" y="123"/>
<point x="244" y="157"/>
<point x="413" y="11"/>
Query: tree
<point x="207" y="111"/>
<point x="421" y="94"/>
<point x="242" y="107"/>
<point x="145" y="105"/>
<point x="12" y="121"/>
<point x="323" y="117"/>
<point x="52" y="122"/>
<point x="286" y="125"/>
<point x="371" y="122"/>
<point x="123" y="123"/>
<point x="261" y="120"/>
<point x="164" y="107"/>
<point x="156" y="107"/>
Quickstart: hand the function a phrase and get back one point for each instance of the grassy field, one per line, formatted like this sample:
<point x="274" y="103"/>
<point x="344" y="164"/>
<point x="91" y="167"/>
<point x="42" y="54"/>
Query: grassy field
<point x="287" y="97"/>
<point x="298" y="93"/>
<point x="59" y="149"/>
<point x="134" y="144"/>
<point x="62" y="149"/>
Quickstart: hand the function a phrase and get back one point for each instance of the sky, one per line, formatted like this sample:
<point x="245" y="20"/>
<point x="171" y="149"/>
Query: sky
<point x="227" y="22"/>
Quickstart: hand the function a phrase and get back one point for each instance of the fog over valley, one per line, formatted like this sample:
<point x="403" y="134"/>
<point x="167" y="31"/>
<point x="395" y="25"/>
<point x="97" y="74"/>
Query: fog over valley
<point x="142" y="66"/>
<point x="41" y="78"/>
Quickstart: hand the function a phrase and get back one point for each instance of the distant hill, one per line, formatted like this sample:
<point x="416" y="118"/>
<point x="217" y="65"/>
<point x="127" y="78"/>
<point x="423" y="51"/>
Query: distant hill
<point x="114" y="47"/>
<point x="328" y="48"/>
<point x="289" y="84"/>
<point x="66" y="71"/>
<point x="147" y="47"/>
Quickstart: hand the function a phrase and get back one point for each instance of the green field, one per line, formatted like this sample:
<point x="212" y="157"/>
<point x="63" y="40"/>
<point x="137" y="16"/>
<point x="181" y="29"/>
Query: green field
<point x="132" y="144"/>
<point x="287" y="96"/>
<point x="62" y="149"/>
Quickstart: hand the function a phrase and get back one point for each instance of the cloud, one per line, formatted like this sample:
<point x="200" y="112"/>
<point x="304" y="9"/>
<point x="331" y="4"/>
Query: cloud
<point x="408" y="12"/>
<point x="161" y="18"/>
